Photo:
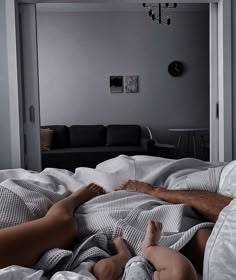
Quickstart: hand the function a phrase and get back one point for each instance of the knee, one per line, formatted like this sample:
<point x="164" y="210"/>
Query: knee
<point x="101" y="270"/>
<point x="183" y="271"/>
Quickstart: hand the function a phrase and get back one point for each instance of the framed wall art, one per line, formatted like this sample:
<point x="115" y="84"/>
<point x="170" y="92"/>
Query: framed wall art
<point x="116" y="84"/>
<point x="131" y="84"/>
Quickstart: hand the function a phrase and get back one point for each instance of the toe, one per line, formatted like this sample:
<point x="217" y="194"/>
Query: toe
<point x="95" y="188"/>
<point x="157" y="225"/>
<point x="151" y="226"/>
<point x="102" y="191"/>
<point x="99" y="189"/>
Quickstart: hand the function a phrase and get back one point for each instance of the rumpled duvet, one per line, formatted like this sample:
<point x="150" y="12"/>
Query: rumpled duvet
<point x="26" y="196"/>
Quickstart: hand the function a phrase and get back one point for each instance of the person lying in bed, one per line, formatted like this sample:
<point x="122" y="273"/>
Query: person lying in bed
<point x="207" y="204"/>
<point x="24" y="244"/>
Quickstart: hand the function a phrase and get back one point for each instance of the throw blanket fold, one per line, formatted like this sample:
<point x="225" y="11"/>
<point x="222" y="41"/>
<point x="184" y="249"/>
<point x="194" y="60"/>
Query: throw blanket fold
<point x="114" y="214"/>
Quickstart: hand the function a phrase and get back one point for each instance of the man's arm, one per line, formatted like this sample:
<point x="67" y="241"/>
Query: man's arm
<point x="208" y="204"/>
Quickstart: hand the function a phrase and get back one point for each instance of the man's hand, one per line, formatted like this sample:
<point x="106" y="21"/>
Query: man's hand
<point x="138" y="186"/>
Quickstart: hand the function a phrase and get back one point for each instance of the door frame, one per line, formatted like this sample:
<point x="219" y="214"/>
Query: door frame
<point x="220" y="74"/>
<point x="30" y="84"/>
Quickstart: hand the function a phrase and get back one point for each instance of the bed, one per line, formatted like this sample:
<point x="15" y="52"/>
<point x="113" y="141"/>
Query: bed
<point x="123" y="213"/>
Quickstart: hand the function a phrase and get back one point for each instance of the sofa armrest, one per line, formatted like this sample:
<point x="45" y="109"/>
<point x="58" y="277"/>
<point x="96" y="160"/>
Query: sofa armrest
<point x="147" y="144"/>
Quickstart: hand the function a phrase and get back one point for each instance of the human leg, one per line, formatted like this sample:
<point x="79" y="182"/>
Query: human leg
<point x="112" y="268"/>
<point x="62" y="213"/>
<point x="169" y="263"/>
<point x="24" y="244"/>
<point x="194" y="250"/>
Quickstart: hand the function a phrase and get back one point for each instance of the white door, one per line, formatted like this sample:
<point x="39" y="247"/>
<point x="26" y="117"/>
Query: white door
<point x="30" y="86"/>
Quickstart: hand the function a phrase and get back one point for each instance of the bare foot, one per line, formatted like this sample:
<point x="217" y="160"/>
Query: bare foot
<point x="67" y="205"/>
<point x="137" y="186"/>
<point x="169" y="264"/>
<point x="86" y="193"/>
<point x="152" y="237"/>
<point x="112" y="268"/>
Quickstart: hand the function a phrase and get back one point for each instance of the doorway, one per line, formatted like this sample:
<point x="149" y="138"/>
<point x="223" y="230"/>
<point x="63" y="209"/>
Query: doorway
<point x="75" y="62"/>
<point x="221" y="107"/>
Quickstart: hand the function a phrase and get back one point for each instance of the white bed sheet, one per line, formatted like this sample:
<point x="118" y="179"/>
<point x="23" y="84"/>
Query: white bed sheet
<point x="20" y="273"/>
<point x="220" y="255"/>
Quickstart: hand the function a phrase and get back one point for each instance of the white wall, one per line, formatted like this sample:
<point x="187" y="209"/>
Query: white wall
<point x="79" y="51"/>
<point x="5" y="145"/>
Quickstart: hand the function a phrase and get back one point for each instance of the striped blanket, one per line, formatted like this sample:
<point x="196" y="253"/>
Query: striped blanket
<point x="25" y="196"/>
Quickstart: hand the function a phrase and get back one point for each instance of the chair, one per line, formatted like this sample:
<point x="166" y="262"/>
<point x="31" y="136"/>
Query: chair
<point x="204" y="148"/>
<point x="161" y="149"/>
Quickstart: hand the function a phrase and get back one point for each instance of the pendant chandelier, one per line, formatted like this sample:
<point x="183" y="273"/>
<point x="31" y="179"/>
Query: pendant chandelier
<point x="155" y="11"/>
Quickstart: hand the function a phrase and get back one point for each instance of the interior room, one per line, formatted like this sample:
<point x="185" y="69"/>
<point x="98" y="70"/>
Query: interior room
<point x="117" y="140"/>
<point x="80" y="46"/>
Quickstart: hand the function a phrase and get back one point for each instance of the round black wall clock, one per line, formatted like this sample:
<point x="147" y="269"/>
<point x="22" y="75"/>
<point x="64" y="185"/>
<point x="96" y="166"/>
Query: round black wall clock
<point x="176" y="68"/>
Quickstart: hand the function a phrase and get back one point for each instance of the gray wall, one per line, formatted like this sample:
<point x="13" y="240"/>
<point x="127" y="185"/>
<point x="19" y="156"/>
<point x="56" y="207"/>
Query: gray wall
<point x="5" y="145"/>
<point x="234" y="74"/>
<point x="79" y="51"/>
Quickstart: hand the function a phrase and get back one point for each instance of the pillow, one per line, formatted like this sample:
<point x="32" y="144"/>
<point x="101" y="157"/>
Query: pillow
<point x="60" y="137"/>
<point x="46" y="136"/>
<point x="87" y="135"/>
<point x="123" y="135"/>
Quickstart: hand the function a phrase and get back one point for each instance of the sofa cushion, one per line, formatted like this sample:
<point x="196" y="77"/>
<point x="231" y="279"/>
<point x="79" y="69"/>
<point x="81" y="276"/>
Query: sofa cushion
<point x="87" y="135"/>
<point x="60" y="136"/>
<point x="123" y="135"/>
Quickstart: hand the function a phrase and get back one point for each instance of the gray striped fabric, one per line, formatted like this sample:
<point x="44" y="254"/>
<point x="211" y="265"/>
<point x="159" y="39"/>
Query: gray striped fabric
<point x="25" y="196"/>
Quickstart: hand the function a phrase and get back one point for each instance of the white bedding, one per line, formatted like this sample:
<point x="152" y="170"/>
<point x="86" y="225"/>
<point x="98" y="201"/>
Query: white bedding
<point x="182" y="174"/>
<point x="220" y="256"/>
<point x="20" y="273"/>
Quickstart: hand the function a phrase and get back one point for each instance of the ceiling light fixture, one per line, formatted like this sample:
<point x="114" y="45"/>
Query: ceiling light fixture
<point x="155" y="11"/>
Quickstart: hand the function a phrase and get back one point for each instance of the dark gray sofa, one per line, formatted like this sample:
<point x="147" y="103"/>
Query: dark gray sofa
<point x="89" y="145"/>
